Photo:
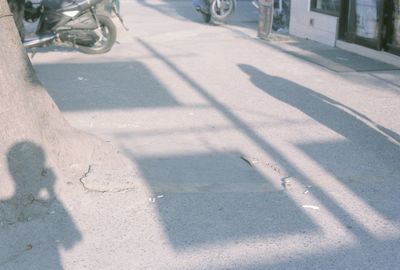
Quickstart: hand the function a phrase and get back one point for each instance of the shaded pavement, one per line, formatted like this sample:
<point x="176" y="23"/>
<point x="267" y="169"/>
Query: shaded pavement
<point x="247" y="156"/>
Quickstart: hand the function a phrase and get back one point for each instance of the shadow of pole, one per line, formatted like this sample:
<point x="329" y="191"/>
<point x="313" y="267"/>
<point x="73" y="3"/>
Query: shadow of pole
<point x="330" y="203"/>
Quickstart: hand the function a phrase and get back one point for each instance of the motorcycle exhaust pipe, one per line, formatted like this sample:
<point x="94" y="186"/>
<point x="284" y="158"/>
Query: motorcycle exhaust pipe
<point x="38" y="41"/>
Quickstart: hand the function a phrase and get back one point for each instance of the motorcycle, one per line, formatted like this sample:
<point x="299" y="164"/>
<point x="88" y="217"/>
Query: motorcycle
<point x="73" y="23"/>
<point x="217" y="10"/>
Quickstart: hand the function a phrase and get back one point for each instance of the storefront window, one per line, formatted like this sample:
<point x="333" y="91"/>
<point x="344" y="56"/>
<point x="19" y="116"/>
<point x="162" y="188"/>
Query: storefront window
<point x="367" y="19"/>
<point x="331" y="7"/>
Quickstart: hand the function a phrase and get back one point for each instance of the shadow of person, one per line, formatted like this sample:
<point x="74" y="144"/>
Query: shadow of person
<point x="366" y="160"/>
<point x="36" y="208"/>
<point x="356" y="128"/>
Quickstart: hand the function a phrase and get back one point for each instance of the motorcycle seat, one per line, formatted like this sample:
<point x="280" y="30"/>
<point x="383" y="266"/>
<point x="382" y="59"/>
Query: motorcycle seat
<point x="74" y="5"/>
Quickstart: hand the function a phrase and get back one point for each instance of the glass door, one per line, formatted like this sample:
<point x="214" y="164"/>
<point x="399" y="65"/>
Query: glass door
<point x="362" y="21"/>
<point x="369" y="22"/>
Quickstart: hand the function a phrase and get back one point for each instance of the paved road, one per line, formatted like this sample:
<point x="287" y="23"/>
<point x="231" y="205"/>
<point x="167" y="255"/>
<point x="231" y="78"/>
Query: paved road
<point x="245" y="154"/>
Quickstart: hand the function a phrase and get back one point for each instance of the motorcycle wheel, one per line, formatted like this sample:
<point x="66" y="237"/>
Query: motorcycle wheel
<point x="222" y="9"/>
<point x="105" y="44"/>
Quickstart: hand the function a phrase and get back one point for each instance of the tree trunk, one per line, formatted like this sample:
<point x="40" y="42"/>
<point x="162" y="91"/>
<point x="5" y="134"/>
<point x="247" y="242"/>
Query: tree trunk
<point x="31" y="122"/>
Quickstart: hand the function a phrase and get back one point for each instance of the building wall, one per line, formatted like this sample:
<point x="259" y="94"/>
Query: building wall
<point x="312" y="25"/>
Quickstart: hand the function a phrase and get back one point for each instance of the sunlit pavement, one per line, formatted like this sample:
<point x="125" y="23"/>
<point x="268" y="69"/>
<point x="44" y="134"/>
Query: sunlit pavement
<point x="248" y="155"/>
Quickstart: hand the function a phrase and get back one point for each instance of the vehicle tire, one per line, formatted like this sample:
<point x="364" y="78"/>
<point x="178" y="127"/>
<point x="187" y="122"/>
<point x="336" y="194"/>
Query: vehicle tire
<point x="221" y="13"/>
<point x="105" y="44"/>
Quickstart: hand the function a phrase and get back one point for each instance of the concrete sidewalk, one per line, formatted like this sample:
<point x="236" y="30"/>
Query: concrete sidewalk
<point x="244" y="154"/>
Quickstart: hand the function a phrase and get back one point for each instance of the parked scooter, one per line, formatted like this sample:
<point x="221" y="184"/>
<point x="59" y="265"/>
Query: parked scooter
<point x="216" y="10"/>
<point x="72" y="23"/>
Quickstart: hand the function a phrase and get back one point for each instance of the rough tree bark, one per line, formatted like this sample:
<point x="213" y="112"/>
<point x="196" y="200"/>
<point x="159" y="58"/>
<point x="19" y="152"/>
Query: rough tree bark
<point x="28" y="116"/>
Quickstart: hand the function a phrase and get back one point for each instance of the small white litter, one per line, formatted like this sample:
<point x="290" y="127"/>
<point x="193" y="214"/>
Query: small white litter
<point x="311" y="206"/>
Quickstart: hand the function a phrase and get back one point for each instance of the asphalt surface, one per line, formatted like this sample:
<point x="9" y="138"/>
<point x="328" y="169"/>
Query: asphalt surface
<point x="245" y="154"/>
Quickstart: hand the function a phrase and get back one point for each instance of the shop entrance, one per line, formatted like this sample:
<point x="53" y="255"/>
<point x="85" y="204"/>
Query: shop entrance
<point x="371" y="23"/>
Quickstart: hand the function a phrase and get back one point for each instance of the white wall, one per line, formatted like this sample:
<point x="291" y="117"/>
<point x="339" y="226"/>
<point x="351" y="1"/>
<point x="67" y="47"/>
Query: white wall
<point x="323" y="29"/>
